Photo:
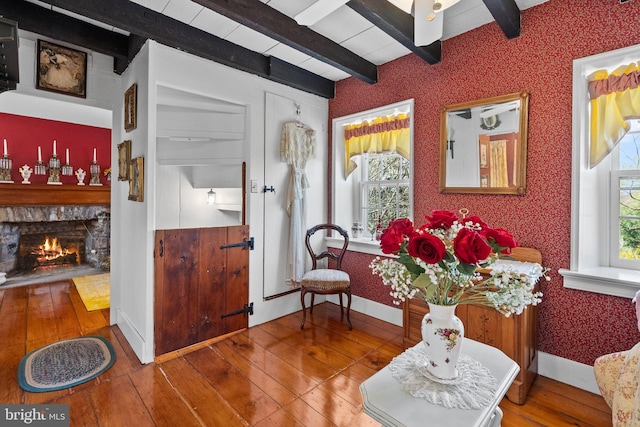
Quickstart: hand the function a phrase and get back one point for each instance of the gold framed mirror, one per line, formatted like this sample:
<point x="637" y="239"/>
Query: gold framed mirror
<point x="483" y="146"/>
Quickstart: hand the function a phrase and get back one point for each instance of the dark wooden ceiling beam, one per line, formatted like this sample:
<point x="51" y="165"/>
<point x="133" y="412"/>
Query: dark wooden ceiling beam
<point x="398" y="24"/>
<point x="39" y="20"/>
<point x="507" y="15"/>
<point x="147" y="23"/>
<point x="268" y="21"/>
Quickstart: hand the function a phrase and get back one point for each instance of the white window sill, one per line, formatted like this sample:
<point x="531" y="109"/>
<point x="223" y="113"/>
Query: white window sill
<point x="363" y="244"/>
<point x="604" y="280"/>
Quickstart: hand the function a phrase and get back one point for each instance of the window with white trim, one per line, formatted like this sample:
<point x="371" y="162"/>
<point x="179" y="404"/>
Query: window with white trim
<point x="605" y="199"/>
<point x="624" y="245"/>
<point x="384" y="190"/>
<point x="372" y="186"/>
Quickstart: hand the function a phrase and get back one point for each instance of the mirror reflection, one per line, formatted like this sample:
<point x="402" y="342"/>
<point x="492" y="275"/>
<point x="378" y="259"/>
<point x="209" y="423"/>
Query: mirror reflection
<point x="483" y="146"/>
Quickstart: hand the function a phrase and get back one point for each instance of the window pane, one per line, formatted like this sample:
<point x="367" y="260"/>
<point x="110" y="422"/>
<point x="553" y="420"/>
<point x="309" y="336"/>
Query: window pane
<point x="629" y="152"/>
<point x="386" y="193"/>
<point x="629" y="238"/>
<point x="405" y="171"/>
<point x="374" y="168"/>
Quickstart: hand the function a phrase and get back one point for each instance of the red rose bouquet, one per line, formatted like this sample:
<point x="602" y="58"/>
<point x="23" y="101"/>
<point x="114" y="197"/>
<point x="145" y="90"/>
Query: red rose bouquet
<point x="438" y="261"/>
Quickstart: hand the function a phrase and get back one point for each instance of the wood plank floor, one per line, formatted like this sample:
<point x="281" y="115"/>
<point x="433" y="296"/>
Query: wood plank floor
<point x="269" y="375"/>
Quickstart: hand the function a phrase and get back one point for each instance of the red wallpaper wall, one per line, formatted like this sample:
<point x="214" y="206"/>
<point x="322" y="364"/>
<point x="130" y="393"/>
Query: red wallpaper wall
<point x="25" y="134"/>
<point x="482" y="63"/>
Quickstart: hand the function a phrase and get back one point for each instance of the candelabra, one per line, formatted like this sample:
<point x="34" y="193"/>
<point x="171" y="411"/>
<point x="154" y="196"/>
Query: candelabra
<point x="54" y="170"/>
<point x="5" y="169"/>
<point x="94" y="170"/>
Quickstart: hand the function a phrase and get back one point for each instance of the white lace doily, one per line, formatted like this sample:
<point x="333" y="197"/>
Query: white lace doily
<point x="474" y="388"/>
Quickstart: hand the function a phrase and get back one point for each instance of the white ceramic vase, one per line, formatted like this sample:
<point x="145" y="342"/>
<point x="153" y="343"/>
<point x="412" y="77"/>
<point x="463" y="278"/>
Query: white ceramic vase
<point x="442" y="335"/>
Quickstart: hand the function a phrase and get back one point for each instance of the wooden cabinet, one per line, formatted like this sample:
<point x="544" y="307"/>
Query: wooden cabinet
<point x="198" y="282"/>
<point x="516" y="335"/>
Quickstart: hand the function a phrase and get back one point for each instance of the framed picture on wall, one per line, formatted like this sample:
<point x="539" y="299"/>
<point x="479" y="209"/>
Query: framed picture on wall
<point x="61" y="69"/>
<point x="483" y="154"/>
<point x="130" y="107"/>
<point x="136" y="179"/>
<point x="124" y="160"/>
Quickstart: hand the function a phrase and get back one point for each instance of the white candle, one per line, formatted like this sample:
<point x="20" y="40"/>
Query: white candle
<point x="39" y="154"/>
<point x="54" y="147"/>
<point x="5" y="146"/>
<point x="94" y="155"/>
<point x="67" y="156"/>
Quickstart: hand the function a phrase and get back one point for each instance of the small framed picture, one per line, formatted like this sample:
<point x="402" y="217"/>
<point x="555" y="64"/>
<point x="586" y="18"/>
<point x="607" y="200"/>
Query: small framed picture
<point x="483" y="155"/>
<point x="61" y="69"/>
<point x="130" y="107"/>
<point x="136" y="181"/>
<point x="124" y="160"/>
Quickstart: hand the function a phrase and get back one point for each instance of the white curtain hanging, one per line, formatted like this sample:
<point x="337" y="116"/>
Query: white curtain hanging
<point x="297" y="145"/>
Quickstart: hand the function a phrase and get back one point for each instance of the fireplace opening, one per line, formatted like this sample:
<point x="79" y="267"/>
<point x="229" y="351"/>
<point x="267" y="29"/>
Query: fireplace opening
<point x="37" y="253"/>
<point x="48" y="243"/>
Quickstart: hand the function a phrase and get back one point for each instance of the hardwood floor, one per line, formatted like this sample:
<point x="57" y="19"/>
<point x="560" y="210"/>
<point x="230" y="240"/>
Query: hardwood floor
<point x="269" y="375"/>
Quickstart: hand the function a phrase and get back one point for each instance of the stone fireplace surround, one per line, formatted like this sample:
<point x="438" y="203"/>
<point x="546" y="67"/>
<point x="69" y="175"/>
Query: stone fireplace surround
<point x="94" y="219"/>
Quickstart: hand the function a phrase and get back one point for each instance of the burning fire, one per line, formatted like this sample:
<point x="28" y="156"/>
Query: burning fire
<point x="51" y="249"/>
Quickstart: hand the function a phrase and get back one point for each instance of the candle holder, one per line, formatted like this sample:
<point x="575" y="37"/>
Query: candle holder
<point x="54" y="171"/>
<point x="94" y="170"/>
<point x="67" y="170"/>
<point x="5" y="169"/>
<point x="39" y="168"/>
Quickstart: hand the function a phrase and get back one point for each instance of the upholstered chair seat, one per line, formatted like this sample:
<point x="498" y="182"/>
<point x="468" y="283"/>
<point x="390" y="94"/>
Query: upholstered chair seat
<point x="325" y="278"/>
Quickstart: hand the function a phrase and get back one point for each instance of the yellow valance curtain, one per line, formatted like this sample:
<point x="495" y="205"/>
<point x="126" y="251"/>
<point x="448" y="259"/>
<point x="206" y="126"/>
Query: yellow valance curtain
<point x="382" y="134"/>
<point x="614" y="98"/>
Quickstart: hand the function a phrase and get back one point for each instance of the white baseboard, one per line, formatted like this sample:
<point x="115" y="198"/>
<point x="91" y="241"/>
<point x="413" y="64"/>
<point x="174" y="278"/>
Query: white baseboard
<point x="135" y="340"/>
<point x="567" y="371"/>
<point x="557" y="368"/>
<point x="371" y="308"/>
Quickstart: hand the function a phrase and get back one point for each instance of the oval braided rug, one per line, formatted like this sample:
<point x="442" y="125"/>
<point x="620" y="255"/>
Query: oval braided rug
<point x="65" y="363"/>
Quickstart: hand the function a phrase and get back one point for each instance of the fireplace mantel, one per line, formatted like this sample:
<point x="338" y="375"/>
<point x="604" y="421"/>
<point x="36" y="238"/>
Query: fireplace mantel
<point x="48" y="195"/>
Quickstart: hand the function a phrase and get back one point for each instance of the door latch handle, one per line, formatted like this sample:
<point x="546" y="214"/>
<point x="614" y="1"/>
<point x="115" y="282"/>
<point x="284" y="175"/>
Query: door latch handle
<point x="270" y="188"/>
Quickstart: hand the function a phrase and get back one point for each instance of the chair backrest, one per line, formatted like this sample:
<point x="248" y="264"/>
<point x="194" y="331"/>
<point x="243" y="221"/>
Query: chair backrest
<point x="327" y="254"/>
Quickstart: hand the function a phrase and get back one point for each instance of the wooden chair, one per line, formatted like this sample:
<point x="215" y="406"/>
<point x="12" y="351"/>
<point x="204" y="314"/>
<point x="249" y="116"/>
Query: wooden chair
<point x="324" y="280"/>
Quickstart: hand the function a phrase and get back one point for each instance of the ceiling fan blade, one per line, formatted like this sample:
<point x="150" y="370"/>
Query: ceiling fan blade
<point x="425" y="31"/>
<point x="317" y="11"/>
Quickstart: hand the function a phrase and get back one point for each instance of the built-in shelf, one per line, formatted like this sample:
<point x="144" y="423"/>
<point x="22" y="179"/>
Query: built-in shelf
<point x="44" y="195"/>
<point x="235" y="207"/>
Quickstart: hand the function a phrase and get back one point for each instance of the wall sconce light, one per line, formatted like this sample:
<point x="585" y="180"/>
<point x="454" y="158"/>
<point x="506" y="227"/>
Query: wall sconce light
<point x="211" y="197"/>
<point x="450" y="140"/>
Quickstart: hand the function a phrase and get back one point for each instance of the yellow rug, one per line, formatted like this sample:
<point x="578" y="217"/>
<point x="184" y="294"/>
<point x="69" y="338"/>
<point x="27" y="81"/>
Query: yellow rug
<point x="94" y="290"/>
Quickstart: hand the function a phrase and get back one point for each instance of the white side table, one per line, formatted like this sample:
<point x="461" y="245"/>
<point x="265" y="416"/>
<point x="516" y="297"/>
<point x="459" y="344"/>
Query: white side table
<point x="387" y="402"/>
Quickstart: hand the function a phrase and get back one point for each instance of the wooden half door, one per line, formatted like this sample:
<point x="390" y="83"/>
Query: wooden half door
<point x="201" y="278"/>
<point x="176" y="289"/>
